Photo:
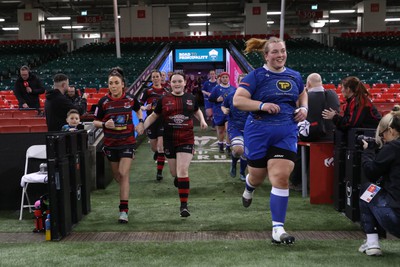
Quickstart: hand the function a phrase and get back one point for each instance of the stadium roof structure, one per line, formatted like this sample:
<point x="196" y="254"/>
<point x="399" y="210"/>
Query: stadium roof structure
<point x="229" y="13"/>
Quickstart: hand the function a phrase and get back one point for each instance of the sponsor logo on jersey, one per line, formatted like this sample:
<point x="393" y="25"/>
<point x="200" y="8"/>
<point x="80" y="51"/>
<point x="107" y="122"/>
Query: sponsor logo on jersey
<point x="284" y="86"/>
<point x="179" y="118"/>
<point x="189" y="102"/>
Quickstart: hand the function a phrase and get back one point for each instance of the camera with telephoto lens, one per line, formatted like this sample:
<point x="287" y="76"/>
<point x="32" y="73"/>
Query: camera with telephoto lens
<point x="370" y="140"/>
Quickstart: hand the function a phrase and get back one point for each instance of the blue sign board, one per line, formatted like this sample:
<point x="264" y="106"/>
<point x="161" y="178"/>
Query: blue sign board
<point x="199" y="55"/>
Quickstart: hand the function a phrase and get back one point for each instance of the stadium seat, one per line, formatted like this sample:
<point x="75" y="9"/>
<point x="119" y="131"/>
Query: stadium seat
<point x="9" y="121"/>
<point x="33" y="152"/>
<point x="330" y="86"/>
<point x="103" y="90"/>
<point x="90" y="90"/>
<point x="25" y="113"/>
<point x="379" y="85"/>
<point x="32" y="121"/>
<point x="38" y="128"/>
<point x="14" y="129"/>
<point x="4" y="105"/>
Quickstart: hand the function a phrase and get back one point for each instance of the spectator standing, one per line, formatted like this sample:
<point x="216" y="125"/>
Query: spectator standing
<point x="27" y="89"/>
<point x="177" y="110"/>
<point x="79" y="102"/>
<point x="315" y="128"/>
<point x="271" y="93"/>
<point x="114" y="115"/>
<point x="359" y="112"/>
<point x="319" y="99"/>
<point x="57" y="105"/>
<point x="380" y="197"/>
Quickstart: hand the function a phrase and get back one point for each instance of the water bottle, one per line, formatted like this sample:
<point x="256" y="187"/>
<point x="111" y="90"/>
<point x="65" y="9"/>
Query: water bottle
<point x="48" y="228"/>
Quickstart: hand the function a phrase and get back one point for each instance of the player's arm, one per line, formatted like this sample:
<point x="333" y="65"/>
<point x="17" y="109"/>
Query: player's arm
<point x="150" y="120"/>
<point x="199" y="115"/>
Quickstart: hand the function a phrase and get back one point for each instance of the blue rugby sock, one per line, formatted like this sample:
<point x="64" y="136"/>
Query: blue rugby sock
<point x="278" y="205"/>
<point x="243" y="165"/>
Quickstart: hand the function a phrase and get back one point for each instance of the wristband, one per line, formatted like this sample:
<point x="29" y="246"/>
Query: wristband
<point x="261" y="106"/>
<point x="305" y="108"/>
<point x="141" y="120"/>
<point x="103" y="124"/>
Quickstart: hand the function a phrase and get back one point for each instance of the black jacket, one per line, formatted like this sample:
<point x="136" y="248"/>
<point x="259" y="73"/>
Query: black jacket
<point x="357" y="115"/>
<point x="79" y="102"/>
<point x="56" y="108"/>
<point x="385" y="164"/>
<point x="32" y="99"/>
<point x="317" y="102"/>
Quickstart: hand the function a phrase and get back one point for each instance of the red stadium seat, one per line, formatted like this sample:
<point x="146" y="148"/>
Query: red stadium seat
<point x="25" y="113"/>
<point x="9" y="121"/>
<point x="103" y="90"/>
<point x="379" y="85"/>
<point x="38" y="128"/>
<point x="32" y="121"/>
<point x="15" y="129"/>
<point x="330" y="86"/>
<point x="4" y="105"/>
<point x="98" y="96"/>
<point x="90" y="90"/>
<point x="7" y="92"/>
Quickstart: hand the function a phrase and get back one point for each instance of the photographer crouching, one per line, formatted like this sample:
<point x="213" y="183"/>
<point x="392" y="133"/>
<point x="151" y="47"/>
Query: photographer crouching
<point x="380" y="198"/>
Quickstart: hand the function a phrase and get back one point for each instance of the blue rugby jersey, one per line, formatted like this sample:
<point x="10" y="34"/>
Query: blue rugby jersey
<point x="281" y="88"/>
<point x="208" y="86"/>
<point x="236" y="118"/>
<point x="218" y="91"/>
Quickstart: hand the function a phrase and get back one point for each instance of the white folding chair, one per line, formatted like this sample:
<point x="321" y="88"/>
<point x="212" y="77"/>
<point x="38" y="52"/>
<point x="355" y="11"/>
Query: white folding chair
<point x="33" y="152"/>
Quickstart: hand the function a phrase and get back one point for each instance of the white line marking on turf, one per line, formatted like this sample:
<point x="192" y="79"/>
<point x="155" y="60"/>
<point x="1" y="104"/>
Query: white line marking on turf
<point x="210" y="161"/>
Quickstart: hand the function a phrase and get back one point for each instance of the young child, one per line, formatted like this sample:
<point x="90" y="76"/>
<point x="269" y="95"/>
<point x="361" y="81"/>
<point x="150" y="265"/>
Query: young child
<point x="73" y="120"/>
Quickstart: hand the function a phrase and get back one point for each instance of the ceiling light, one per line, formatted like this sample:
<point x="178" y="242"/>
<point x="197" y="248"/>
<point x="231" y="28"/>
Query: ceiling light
<point x="270" y="22"/>
<point x="328" y="21"/>
<point x="344" y="11"/>
<point x="317" y="24"/>
<point x="273" y="13"/>
<point x="73" y="27"/>
<point x="198" y="24"/>
<point x="392" y="19"/>
<point x="199" y="15"/>
<point x="59" y="18"/>
<point x="2" y="20"/>
<point x="10" y="28"/>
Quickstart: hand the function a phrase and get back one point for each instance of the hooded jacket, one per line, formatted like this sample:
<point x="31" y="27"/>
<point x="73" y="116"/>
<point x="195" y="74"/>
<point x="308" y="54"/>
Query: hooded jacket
<point x="56" y="108"/>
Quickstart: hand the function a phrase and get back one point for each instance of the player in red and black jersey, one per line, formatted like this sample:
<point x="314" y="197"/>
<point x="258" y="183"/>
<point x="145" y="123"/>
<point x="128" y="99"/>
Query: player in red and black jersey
<point x="148" y="99"/>
<point x="177" y="110"/>
<point x="114" y="115"/>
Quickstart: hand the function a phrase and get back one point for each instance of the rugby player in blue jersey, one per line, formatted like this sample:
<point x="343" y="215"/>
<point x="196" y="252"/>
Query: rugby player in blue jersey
<point x="236" y="121"/>
<point x="277" y="101"/>
<point x="217" y="96"/>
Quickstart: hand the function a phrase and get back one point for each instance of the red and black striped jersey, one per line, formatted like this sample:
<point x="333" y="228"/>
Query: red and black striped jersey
<point x="177" y="113"/>
<point x="151" y="95"/>
<point x="120" y="111"/>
